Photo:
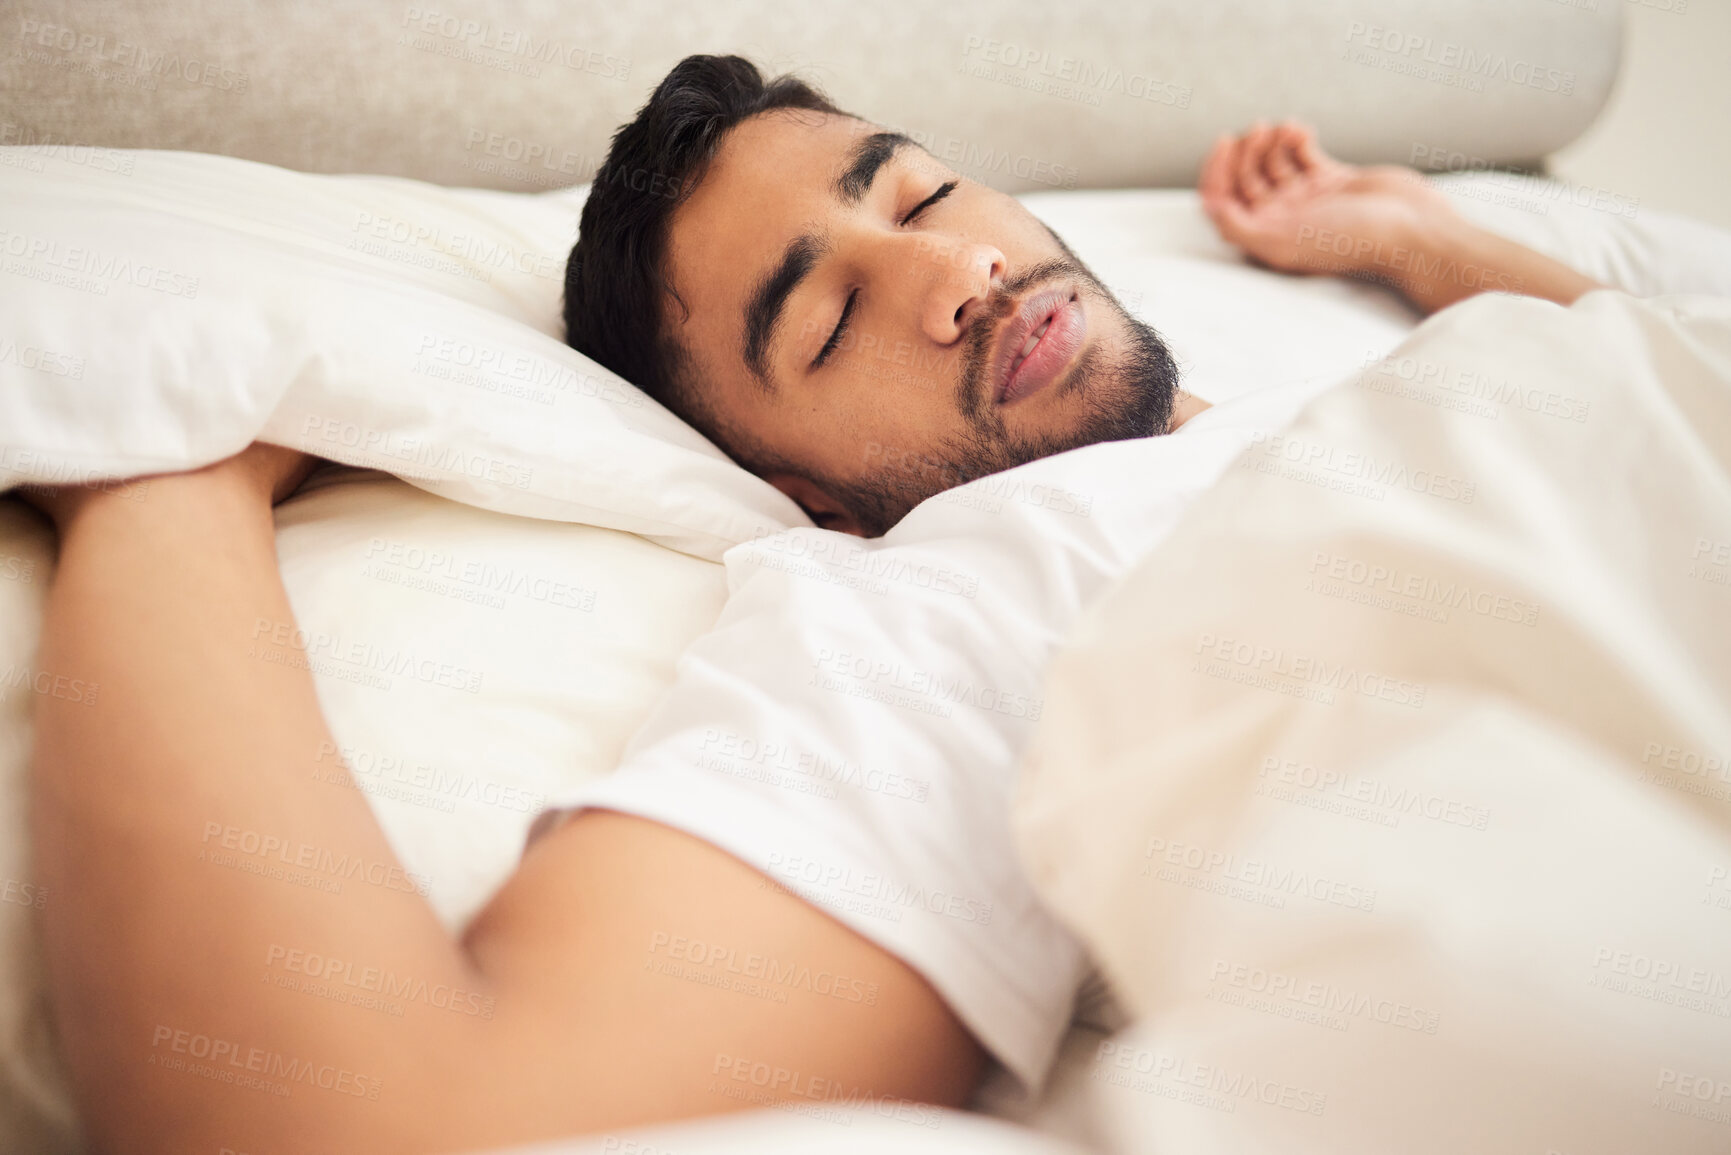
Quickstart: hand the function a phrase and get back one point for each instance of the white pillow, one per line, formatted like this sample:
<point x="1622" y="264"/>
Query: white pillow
<point x="162" y="314"/>
<point x="470" y="664"/>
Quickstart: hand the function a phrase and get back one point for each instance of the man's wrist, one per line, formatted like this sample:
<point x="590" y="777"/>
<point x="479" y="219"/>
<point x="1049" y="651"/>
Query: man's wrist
<point x="1449" y="258"/>
<point x="62" y="504"/>
<point x="1407" y="257"/>
<point x="209" y="495"/>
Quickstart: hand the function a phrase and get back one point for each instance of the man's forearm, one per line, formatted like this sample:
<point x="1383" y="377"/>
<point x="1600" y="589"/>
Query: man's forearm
<point x="1451" y="259"/>
<point x="189" y="848"/>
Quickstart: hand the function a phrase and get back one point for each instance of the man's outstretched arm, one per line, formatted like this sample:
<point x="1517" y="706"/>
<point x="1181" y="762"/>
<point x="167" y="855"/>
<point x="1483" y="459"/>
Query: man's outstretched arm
<point x="210" y="891"/>
<point x="1275" y="194"/>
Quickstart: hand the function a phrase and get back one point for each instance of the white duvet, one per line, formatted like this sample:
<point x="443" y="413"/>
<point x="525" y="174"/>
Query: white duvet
<point x="1393" y="792"/>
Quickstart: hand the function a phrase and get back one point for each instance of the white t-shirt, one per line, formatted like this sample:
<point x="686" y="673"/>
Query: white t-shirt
<point x="853" y="724"/>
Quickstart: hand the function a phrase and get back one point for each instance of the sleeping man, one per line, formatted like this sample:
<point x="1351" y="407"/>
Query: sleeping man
<point x="706" y="929"/>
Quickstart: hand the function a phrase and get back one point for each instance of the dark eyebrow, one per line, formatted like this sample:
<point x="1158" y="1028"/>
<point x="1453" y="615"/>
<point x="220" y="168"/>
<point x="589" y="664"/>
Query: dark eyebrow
<point x="869" y="154"/>
<point x="764" y="307"/>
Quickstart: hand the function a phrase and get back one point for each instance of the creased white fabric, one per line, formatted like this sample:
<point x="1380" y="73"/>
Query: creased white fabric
<point x="164" y="313"/>
<point x="1394" y="791"/>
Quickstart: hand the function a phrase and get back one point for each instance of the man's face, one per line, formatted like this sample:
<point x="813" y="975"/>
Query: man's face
<point x="883" y="329"/>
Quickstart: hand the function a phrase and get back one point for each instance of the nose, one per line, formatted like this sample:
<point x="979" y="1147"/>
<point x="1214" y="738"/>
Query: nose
<point x="960" y="276"/>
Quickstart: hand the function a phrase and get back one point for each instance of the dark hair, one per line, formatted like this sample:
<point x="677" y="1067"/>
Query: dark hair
<point x="616" y="290"/>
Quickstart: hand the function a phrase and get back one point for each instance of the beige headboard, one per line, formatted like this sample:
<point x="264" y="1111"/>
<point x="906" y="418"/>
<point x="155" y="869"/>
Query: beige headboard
<point x="525" y="94"/>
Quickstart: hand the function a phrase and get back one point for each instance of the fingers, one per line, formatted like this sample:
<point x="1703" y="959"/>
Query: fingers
<point x="1280" y="164"/>
<point x="1216" y="183"/>
<point x="1231" y="220"/>
<point x="1262" y="163"/>
<point x="1219" y="189"/>
<point x="1242" y="173"/>
<point x="1307" y="151"/>
<point x="1253" y="186"/>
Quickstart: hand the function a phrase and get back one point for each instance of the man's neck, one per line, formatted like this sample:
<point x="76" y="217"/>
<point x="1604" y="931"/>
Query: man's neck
<point x="1184" y="407"/>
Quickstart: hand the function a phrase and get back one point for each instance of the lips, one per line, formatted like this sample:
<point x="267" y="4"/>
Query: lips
<point x="1028" y="345"/>
<point x="1038" y="344"/>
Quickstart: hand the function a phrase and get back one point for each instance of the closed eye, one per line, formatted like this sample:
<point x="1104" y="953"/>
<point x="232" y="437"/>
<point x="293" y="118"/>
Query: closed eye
<point x="841" y="324"/>
<point x="840" y="331"/>
<point x="944" y="190"/>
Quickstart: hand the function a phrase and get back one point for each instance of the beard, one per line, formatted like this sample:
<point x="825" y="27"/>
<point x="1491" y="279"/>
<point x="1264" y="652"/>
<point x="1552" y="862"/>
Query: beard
<point x="1124" y="394"/>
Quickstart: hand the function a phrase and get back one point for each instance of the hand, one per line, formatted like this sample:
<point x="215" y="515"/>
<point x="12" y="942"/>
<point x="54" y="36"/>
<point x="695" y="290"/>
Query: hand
<point x="1275" y="194"/>
<point x="268" y="471"/>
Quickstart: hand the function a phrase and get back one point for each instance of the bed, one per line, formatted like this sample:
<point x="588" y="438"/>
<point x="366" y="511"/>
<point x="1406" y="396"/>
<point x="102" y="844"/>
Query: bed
<point x="516" y="616"/>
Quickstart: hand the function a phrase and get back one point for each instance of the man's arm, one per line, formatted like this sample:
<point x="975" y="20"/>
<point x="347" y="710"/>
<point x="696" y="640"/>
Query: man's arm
<point x="1274" y="193"/>
<point x="210" y="894"/>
